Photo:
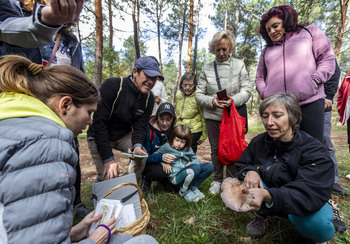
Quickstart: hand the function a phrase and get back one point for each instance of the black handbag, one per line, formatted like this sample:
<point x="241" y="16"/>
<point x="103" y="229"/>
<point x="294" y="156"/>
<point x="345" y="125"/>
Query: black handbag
<point x="242" y="110"/>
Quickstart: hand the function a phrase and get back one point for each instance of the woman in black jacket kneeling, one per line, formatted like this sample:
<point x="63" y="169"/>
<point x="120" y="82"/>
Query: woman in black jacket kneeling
<point x="288" y="172"/>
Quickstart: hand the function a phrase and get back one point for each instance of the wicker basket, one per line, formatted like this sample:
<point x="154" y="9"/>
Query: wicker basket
<point x="139" y="226"/>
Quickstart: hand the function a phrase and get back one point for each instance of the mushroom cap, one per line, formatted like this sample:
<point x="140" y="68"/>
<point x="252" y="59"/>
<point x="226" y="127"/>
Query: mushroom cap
<point x="236" y="195"/>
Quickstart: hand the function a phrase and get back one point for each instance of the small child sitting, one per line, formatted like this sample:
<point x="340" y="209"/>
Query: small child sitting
<point x="185" y="171"/>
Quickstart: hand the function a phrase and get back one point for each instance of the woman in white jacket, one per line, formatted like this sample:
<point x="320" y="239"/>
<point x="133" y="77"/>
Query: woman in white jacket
<point x="234" y="78"/>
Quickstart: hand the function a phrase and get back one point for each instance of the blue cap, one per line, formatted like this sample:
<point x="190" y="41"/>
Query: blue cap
<point x="149" y="66"/>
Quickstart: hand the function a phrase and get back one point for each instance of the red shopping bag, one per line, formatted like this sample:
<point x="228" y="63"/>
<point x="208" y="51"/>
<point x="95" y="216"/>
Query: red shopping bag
<point x="231" y="139"/>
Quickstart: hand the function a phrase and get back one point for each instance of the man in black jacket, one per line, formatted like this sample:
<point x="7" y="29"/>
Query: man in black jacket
<point x="121" y="119"/>
<point x="330" y="88"/>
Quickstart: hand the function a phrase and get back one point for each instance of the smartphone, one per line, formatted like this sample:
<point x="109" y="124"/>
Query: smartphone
<point x="222" y="95"/>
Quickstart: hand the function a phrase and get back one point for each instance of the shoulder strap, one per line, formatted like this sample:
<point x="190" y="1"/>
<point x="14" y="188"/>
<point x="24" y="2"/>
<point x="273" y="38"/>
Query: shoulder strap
<point x="265" y="70"/>
<point x="217" y="76"/>
<point x="120" y="89"/>
<point x="309" y="32"/>
<point x="115" y="100"/>
<point x="148" y="95"/>
<point x="152" y="135"/>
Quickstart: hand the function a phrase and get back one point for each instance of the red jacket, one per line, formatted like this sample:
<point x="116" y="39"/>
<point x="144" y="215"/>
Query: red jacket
<point x="343" y="97"/>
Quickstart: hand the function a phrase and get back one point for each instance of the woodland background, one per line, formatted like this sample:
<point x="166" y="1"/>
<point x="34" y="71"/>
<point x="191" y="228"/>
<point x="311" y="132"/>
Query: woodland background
<point x="179" y="25"/>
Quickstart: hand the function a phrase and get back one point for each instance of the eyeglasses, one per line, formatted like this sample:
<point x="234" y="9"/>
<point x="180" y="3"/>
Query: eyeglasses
<point x="187" y="85"/>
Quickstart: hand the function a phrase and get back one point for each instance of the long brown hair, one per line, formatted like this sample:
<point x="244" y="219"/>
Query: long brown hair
<point x="18" y="74"/>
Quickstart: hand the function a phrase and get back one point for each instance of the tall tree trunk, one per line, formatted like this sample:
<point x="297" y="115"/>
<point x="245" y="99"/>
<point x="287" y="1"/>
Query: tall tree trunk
<point x="194" y="68"/>
<point x="158" y="12"/>
<point x="110" y="16"/>
<point x="189" y="50"/>
<point x="135" y="11"/>
<point x="181" y="37"/>
<point x="235" y="27"/>
<point x="341" y="27"/>
<point x="99" y="43"/>
<point x="226" y="16"/>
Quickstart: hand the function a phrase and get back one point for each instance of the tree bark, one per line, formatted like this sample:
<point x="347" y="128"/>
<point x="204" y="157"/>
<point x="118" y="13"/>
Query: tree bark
<point x="99" y="43"/>
<point x="181" y="37"/>
<point x="111" y="32"/>
<point x="341" y="27"/>
<point x="135" y="10"/>
<point x="194" y="68"/>
<point x="158" y="13"/>
<point x="189" y="50"/>
<point x="235" y="26"/>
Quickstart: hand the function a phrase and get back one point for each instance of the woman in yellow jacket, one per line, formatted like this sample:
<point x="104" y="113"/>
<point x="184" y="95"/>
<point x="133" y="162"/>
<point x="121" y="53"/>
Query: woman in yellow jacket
<point x="188" y="112"/>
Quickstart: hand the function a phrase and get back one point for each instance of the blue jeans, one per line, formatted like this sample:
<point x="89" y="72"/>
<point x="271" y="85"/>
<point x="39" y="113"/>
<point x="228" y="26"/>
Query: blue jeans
<point x="317" y="226"/>
<point x="193" y="175"/>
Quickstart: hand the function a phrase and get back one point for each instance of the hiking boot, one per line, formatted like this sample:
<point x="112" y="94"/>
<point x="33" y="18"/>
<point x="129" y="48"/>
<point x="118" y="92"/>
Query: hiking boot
<point x="80" y="211"/>
<point x="337" y="189"/>
<point x="189" y="195"/>
<point x="215" y="187"/>
<point x="338" y="223"/>
<point x="257" y="227"/>
<point x="198" y="193"/>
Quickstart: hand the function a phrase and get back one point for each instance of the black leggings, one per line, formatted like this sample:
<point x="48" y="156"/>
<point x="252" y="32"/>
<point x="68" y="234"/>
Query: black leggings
<point x="313" y="119"/>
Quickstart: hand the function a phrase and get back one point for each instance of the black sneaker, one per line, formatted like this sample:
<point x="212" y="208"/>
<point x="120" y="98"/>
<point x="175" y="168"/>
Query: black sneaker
<point x="146" y="186"/>
<point x="80" y="211"/>
<point x="337" y="189"/>
<point x="338" y="223"/>
<point x="257" y="227"/>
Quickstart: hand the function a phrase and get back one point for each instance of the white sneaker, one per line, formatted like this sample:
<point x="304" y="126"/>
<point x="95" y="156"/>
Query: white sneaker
<point x="215" y="187"/>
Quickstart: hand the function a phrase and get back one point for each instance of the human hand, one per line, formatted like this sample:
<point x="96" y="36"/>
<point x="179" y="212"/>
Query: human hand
<point x="327" y="104"/>
<point x="167" y="168"/>
<point x="110" y="170"/>
<point x="188" y="163"/>
<point x="225" y="103"/>
<point x="260" y="195"/>
<point x="253" y="180"/>
<point x="80" y="230"/>
<point x="138" y="151"/>
<point x="222" y="103"/>
<point x="101" y="234"/>
<point x="61" y="12"/>
<point x="168" y="158"/>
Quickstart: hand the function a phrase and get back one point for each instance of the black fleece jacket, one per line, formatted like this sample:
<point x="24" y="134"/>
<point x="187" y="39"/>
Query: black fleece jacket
<point x="131" y="112"/>
<point x="299" y="173"/>
<point x="331" y="86"/>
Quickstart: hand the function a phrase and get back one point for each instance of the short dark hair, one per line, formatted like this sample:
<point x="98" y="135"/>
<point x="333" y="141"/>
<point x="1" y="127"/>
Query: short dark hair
<point x="188" y="76"/>
<point x="182" y="132"/>
<point x="284" y="12"/>
<point x="291" y="104"/>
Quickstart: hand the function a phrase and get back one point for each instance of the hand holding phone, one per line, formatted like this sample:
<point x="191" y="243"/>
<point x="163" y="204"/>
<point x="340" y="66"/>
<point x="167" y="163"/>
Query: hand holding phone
<point x="222" y="94"/>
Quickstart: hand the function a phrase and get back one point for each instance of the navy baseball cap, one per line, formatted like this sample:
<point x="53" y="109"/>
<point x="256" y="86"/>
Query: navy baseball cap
<point x="149" y="66"/>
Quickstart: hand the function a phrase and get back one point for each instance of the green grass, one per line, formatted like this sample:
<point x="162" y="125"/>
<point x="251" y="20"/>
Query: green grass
<point x="215" y="223"/>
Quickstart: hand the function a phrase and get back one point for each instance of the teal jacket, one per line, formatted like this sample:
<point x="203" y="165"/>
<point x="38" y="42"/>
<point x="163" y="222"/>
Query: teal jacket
<point x="182" y="158"/>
